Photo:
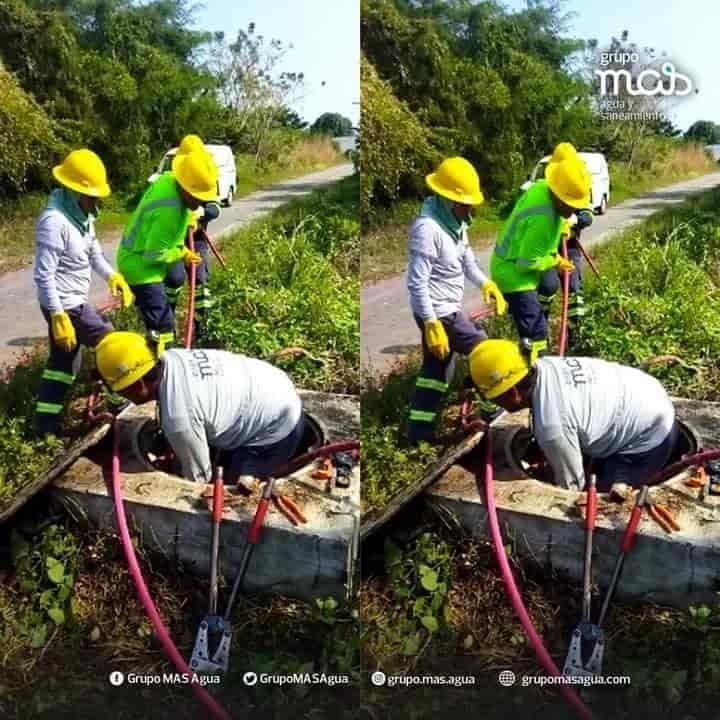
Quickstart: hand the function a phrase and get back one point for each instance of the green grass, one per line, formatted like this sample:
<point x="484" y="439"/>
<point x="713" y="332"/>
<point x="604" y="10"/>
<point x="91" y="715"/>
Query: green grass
<point x="292" y="282"/>
<point x="659" y="296"/>
<point x="384" y="242"/>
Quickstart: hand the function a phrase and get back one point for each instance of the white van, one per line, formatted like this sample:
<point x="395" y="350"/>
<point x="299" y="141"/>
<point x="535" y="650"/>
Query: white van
<point x="225" y="160"/>
<point x="598" y="167"/>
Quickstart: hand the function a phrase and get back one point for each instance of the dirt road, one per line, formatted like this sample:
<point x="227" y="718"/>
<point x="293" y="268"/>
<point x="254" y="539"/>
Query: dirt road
<point x="21" y="323"/>
<point x="388" y="332"/>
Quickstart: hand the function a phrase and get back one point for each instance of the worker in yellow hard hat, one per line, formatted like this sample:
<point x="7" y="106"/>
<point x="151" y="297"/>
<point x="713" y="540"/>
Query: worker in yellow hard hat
<point x="440" y="258"/>
<point x="176" y="274"/>
<point x="527" y="245"/>
<point x="246" y="408"/>
<point x="550" y="281"/>
<point x="154" y="237"/>
<point x="620" y="418"/>
<point x="66" y="252"/>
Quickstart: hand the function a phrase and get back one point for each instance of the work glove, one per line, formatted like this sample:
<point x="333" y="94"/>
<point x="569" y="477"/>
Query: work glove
<point x="492" y="292"/>
<point x="437" y="339"/>
<point x="562" y="264"/>
<point x="190" y="257"/>
<point x="63" y="331"/>
<point x="119" y="286"/>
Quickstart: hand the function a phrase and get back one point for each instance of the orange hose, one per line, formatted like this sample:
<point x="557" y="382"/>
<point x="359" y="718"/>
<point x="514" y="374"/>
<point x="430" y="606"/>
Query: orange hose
<point x="189" y="320"/>
<point x="565" y="299"/>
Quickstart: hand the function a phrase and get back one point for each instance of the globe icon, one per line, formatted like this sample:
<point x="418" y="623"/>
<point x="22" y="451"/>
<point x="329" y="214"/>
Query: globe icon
<point x="507" y="678"/>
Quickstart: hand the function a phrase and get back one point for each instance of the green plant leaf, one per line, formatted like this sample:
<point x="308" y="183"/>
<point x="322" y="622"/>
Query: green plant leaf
<point x="55" y="570"/>
<point x="430" y="623"/>
<point x="57" y="615"/>
<point x="411" y="645"/>
<point x="38" y="636"/>
<point x="429" y="580"/>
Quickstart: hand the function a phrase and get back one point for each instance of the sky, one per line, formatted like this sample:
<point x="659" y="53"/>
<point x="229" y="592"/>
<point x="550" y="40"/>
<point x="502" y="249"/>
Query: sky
<point x="687" y="30"/>
<point x="326" y="45"/>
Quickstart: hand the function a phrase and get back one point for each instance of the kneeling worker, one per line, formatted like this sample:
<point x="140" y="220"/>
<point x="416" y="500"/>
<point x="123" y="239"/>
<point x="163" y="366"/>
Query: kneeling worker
<point x="237" y="404"/>
<point x="619" y="417"/>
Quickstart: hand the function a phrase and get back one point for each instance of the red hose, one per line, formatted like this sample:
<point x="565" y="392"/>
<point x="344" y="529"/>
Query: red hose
<point x="189" y="320"/>
<point x="581" y="710"/>
<point x="565" y="300"/>
<point x="213" y="707"/>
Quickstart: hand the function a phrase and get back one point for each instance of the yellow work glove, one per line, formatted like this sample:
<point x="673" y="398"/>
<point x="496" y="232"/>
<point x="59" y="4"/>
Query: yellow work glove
<point x="63" y="331"/>
<point x="492" y="292"/>
<point x="562" y="264"/>
<point x="119" y="286"/>
<point x="189" y="257"/>
<point x="437" y="339"/>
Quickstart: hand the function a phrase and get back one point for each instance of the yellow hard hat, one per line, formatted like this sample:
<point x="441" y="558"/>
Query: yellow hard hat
<point x="187" y="145"/>
<point x="197" y="174"/>
<point x="122" y="358"/>
<point x="496" y="366"/>
<point x="570" y="180"/>
<point x="457" y="180"/>
<point x="83" y="171"/>
<point x="563" y="151"/>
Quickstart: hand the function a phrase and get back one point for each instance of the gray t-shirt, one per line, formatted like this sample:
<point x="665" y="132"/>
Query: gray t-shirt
<point x="599" y="408"/>
<point x="437" y="269"/>
<point x="212" y="397"/>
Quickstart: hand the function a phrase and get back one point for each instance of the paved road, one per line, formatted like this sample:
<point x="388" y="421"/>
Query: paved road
<point x="22" y="324"/>
<point x="388" y="331"/>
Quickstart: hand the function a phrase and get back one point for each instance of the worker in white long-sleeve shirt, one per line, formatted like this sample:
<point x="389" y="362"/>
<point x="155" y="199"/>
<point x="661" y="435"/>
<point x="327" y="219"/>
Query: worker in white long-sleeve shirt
<point x="440" y="258"/>
<point x="209" y="398"/>
<point x="619" y="417"/>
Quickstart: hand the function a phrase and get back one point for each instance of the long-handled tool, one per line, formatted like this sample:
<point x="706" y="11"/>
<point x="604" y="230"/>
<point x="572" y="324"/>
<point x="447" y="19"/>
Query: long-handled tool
<point x="587" y="257"/>
<point x="213" y="630"/>
<point x="627" y="542"/>
<point x="252" y="540"/>
<point x="214" y="249"/>
<point x="587" y="645"/>
<point x="586" y="657"/>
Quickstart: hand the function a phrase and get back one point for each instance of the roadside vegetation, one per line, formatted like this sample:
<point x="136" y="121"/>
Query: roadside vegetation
<point x="433" y="600"/>
<point x="501" y="88"/>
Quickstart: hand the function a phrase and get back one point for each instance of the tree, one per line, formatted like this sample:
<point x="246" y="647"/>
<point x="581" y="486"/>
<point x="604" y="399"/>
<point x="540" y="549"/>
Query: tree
<point x="333" y="124"/>
<point x="251" y="84"/>
<point x="288" y="118"/>
<point x="704" y="131"/>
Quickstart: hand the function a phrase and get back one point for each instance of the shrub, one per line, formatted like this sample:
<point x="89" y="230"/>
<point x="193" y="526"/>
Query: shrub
<point x="396" y="153"/>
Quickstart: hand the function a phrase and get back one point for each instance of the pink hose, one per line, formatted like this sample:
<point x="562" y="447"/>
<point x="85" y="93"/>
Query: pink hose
<point x="214" y="708"/>
<point x="542" y="654"/>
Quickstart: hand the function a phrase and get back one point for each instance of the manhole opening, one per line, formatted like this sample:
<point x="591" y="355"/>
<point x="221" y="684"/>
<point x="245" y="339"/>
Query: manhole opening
<point x="524" y="455"/>
<point x="151" y="448"/>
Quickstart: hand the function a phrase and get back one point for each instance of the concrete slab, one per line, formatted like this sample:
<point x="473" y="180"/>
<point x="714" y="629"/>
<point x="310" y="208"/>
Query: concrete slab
<point x="172" y="517"/>
<point x="543" y="522"/>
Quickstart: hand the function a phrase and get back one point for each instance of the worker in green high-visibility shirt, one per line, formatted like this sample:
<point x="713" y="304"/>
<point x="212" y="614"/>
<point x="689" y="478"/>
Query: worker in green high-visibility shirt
<point x="527" y="246"/>
<point x="154" y="238"/>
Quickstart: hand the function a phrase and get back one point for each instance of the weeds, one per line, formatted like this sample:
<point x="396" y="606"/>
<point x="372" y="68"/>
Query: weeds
<point x="292" y="283"/>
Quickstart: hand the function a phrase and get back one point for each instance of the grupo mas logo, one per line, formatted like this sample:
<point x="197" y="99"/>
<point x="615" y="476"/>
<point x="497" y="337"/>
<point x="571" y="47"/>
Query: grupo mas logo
<point x="649" y="81"/>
